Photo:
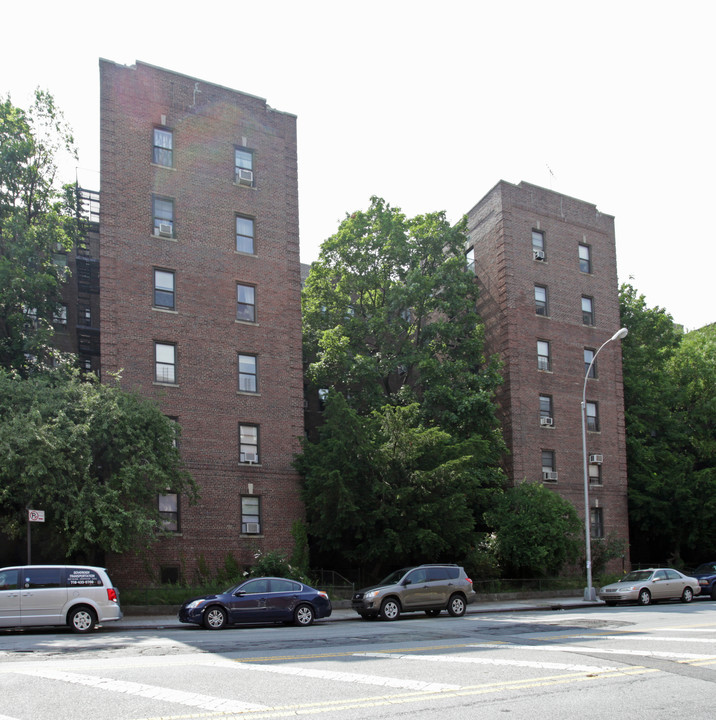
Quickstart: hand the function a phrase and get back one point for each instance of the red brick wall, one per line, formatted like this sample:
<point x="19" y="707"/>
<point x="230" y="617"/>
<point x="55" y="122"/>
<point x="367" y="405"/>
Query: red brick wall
<point x="208" y="122"/>
<point x="500" y="227"/>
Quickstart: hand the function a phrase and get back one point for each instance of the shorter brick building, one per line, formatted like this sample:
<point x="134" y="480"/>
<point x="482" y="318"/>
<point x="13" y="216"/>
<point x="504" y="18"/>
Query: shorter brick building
<point x="547" y="273"/>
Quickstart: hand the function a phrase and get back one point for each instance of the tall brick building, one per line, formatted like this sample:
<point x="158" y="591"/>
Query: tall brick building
<point x="200" y="303"/>
<point x="546" y="268"/>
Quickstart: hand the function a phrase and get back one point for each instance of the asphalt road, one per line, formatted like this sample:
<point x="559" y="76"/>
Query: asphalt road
<point x="592" y="662"/>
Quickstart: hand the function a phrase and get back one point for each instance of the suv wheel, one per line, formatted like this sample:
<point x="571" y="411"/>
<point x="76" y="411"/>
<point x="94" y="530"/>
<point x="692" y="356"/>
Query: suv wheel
<point x="457" y="606"/>
<point x="389" y="609"/>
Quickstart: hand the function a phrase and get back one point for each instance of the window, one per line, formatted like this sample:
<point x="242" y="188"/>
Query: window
<point x="248" y="373"/>
<point x="245" y="303"/>
<point x="592" y="416"/>
<point x="41" y="577"/>
<point x="9" y="580"/>
<point x="585" y="258"/>
<point x="587" y="310"/>
<point x="59" y="317"/>
<point x="250" y="514"/>
<point x="169" y="574"/>
<point x="162" y="151"/>
<point x="594" y="472"/>
<point x="248" y="443"/>
<point x="538" y="245"/>
<point x="545" y="410"/>
<point x="165" y="363"/>
<point x="244" y="235"/>
<point x="588" y="357"/>
<point x="470" y="260"/>
<point x="164" y="289"/>
<point x="244" y="166"/>
<point x="169" y="511"/>
<point x="163" y="212"/>
<point x="549" y="474"/>
<point x="84" y="315"/>
<point x="544" y="361"/>
<point x="596" y="522"/>
<point x="541" y="307"/>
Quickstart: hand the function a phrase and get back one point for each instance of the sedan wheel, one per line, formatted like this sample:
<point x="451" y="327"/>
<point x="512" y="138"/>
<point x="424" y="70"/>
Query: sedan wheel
<point x="644" y="597"/>
<point x="456" y="606"/>
<point x="303" y="615"/>
<point x="390" y="610"/>
<point x="215" y="618"/>
<point x="688" y="595"/>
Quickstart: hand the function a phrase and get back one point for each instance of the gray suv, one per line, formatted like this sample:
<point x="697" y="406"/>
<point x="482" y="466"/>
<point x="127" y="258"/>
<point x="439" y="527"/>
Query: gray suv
<point x="428" y="588"/>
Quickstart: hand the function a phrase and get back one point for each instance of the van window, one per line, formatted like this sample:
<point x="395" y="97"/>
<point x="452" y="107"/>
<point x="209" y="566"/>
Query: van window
<point x="82" y="577"/>
<point x="8" y="580"/>
<point x="39" y="577"/>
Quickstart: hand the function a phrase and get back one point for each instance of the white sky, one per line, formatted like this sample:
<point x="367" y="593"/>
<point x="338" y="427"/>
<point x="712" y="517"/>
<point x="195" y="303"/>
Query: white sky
<point x="430" y="104"/>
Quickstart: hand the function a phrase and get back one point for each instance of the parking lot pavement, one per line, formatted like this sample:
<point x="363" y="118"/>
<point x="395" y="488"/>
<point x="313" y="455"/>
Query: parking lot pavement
<point x="135" y="618"/>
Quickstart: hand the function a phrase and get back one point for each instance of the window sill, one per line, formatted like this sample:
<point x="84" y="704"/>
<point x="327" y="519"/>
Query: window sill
<point x="164" y="237"/>
<point x="165" y="310"/>
<point x="161" y="384"/>
<point x="163" y="167"/>
<point x="244" y="185"/>
<point x="247" y="322"/>
<point x="250" y="394"/>
<point x="251" y="535"/>
<point x="245" y="254"/>
<point x="245" y="464"/>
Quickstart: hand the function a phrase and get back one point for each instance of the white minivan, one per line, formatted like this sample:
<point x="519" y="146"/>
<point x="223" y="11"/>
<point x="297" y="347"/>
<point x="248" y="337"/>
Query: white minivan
<point x="76" y="595"/>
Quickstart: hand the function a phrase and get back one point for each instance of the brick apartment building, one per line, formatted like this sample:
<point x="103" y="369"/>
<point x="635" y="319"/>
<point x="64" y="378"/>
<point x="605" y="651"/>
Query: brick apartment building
<point x="546" y="269"/>
<point x="194" y="271"/>
<point x="200" y="303"/>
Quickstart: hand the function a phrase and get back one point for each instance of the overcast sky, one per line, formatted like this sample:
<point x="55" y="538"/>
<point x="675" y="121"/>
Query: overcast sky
<point x="429" y="105"/>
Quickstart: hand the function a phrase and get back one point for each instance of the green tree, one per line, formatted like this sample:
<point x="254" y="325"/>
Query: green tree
<point x="408" y="455"/>
<point x="94" y="457"/>
<point x="536" y="531"/>
<point x="36" y="218"/>
<point x="389" y="316"/>
<point x="656" y="434"/>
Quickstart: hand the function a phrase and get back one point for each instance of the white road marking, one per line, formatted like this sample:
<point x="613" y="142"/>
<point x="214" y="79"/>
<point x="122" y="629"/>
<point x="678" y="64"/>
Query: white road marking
<point x="595" y="650"/>
<point x="491" y="661"/>
<point x="195" y="700"/>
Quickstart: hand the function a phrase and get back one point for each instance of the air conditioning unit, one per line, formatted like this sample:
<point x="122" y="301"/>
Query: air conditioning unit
<point x="546" y="421"/>
<point x="538" y="254"/>
<point x="249" y="457"/>
<point x="253" y="528"/>
<point x="244" y="177"/>
<point x="551" y="476"/>
<point x="596" y="459"/>
<point x="165" y="229"/>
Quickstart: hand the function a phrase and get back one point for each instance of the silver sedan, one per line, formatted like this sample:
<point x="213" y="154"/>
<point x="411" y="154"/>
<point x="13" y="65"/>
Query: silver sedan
<point x="646" y="586"/>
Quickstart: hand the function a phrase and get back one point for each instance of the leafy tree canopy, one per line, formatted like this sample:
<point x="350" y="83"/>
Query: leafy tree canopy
<point x="669" y="399"/>
<point x="92" y="456"/>
<point x="390" y="317"/>
<point x="36" y="218"/>
<point x="537" y="532"/>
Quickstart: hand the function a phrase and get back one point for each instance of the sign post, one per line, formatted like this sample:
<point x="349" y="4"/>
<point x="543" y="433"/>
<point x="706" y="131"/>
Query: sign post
<point x="32" y="516"/>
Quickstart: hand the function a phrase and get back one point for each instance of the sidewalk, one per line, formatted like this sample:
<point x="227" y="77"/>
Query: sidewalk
<point x="143" y="617"/>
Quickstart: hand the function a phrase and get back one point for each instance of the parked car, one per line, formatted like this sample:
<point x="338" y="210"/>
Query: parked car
<point x="428" y="588"/>
<point x="646" y="586"/>
<point x="706" y="575"/>
<point x="258" y="600"/>
<point x="79" y="596"/>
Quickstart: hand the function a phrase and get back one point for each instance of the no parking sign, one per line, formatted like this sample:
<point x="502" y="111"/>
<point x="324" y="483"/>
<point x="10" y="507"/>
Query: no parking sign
<point x="36" y="515"/>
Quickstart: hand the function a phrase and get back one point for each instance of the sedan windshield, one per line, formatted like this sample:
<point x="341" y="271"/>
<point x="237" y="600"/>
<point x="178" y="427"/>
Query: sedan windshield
<point x="637" y="576"/>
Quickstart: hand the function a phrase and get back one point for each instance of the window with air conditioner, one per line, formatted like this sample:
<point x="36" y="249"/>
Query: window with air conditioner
<point x="249" y="444"/>
<point x="244" y="167"/>
<point x="538" y="252"/>
<point x="163" y="212"/>
<point x="250" y="514"/>
<point x="545" y="410"/>
<point x="549" y="473"/>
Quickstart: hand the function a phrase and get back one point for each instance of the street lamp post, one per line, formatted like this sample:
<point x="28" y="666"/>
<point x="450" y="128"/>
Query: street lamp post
<point x="589" y="592"/>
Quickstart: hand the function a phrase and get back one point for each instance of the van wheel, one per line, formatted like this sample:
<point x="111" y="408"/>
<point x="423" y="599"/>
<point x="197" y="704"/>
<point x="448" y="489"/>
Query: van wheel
<point x="457" y="606"/>
<point x="82" y="619"/>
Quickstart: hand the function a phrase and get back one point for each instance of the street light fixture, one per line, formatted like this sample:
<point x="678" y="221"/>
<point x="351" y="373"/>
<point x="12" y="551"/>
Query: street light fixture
<point x="589" y="592"/>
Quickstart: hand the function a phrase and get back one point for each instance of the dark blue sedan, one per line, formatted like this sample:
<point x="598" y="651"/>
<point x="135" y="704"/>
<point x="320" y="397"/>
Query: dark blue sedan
<point x="706" y="575"/>
<point x="258" y="600"/>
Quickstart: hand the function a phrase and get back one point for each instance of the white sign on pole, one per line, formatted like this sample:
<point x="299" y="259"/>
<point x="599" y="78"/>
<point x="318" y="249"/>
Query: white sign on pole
<point x="36" y="515"/>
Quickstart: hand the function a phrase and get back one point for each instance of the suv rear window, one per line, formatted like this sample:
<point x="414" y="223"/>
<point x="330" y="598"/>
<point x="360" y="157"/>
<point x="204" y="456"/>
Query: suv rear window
<point x="453" y="572"/>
